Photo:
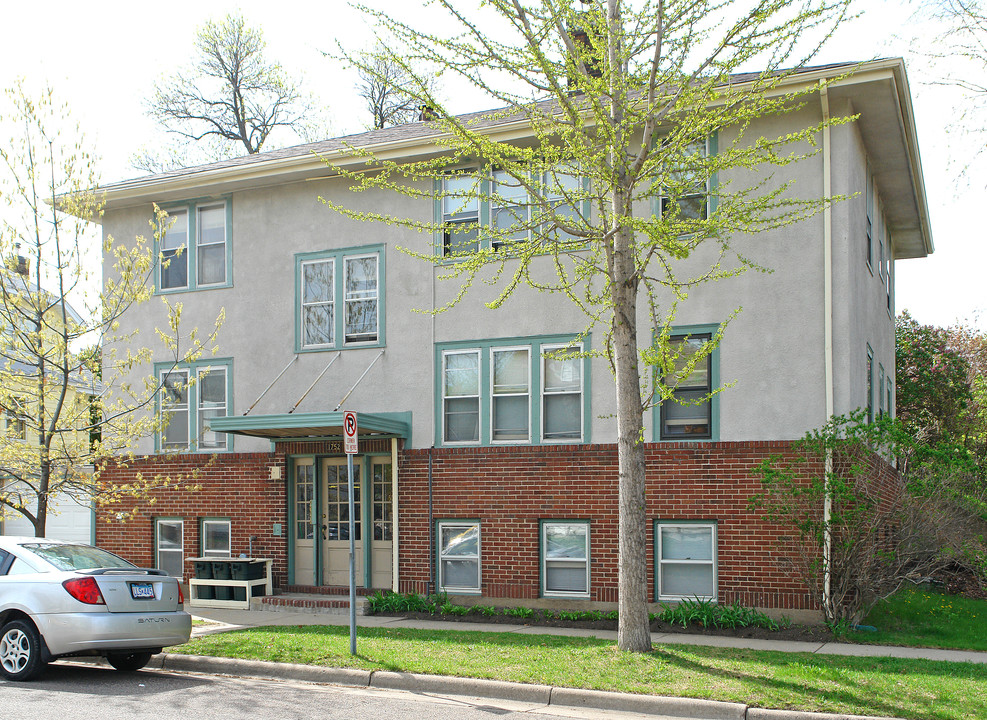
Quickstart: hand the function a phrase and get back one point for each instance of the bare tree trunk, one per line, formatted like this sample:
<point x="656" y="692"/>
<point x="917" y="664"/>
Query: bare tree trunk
<point x="41" y="517"/>
<point x="633" y="631"/>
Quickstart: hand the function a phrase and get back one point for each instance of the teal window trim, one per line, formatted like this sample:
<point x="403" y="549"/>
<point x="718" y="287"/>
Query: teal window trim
<point x="712" y="182"/>
<point x="454" y="589"/>
<point x="190" y="253"/>
<point x="203" y="552"/>
<point x="484" y="349"/>
<point x="658" y="524"/>
<point x="710" y="329"/>
<point x="366" y="514"/>
<point x="890" y="394"/>
<point x="870" y="384"/>
<point x="338" y="258"/>
<point x="290" y="530"/>
<point x="542" y="558"/>
<point x="880" y="390"/>
<point x="869" y="218"/>
<point x="888" y="263"/>
<point x="193" y="369"/>
<point x="167" y="519"/>
<point x="483" y="211"/>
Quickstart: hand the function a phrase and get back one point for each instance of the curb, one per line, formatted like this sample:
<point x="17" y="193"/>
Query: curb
<point x="649" y="704"/>
<point x="765" y="714"/>
<point x="669" y="707"/>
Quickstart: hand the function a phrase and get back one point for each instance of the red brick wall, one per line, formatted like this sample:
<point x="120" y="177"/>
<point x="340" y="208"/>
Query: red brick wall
<point x="235" y="486"/>
<point x="509" y="489"/>
<point x="686" y="481"/>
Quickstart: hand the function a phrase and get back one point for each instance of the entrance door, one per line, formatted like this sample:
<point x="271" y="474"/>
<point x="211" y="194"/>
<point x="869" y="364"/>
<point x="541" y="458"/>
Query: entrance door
<point x="304" y="521"/>
<point x="381" y="542"/>
<point x="335" y="523"/>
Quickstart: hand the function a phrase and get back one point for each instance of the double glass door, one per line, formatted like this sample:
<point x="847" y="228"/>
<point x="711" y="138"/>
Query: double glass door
<point x="322" y="529"/>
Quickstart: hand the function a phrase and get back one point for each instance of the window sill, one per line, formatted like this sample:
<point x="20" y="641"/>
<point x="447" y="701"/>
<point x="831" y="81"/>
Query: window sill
<point x="340" y="348"/>
<point x="565" y="596"/>
<point x="190" y="289"/>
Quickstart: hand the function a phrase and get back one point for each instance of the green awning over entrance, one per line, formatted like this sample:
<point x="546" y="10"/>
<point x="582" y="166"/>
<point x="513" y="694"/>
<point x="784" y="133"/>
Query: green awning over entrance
<point x="314" y="426"/>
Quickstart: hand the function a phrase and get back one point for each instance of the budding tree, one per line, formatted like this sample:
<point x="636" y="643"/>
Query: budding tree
<point x="610" y="188"/>
<point x="69" y="401"/>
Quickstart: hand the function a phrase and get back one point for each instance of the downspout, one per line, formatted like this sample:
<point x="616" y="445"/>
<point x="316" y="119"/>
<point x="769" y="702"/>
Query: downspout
<point x="395" y="534"/>
<point x="431" y="530"/>
<point x="827" y="328"/>
<point x="432" y="549"/>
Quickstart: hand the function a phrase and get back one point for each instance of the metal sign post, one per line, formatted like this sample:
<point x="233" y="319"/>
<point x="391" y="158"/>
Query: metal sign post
<point x="350" y="445"/>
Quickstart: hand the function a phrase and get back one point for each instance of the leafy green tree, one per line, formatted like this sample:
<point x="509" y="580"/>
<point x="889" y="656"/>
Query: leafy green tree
<point x="884" y="526"/>
<point x="617" y="101"/>
<point x="932" y="378"/>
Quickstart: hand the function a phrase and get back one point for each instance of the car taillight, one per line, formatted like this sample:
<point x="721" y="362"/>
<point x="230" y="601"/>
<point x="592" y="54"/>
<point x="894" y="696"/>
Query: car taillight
<point x="85" y="590"/>
<point x="181" y="595"/>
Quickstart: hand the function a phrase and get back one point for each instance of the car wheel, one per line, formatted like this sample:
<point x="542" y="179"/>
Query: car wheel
<point x="20" y="651"/>
<point x="128" y="662"/>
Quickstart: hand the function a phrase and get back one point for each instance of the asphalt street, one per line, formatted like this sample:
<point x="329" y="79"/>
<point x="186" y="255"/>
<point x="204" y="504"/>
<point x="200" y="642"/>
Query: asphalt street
<point x="68" y="691"/>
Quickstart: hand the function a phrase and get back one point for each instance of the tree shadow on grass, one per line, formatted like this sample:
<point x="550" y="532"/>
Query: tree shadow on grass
<point x="833" y="691"/>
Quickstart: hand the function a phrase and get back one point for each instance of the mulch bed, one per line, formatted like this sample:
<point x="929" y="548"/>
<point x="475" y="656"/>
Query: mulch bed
<point x="806" y="633"/>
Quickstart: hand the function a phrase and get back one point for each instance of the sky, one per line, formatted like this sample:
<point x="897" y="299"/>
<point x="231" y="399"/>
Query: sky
<point x="102" y="57"/>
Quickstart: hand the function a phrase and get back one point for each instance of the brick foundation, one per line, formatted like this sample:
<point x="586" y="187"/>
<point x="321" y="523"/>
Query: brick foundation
<point x="509" y="489"/>
<point x="686" y="481"/>
<point x="237" y="486"/>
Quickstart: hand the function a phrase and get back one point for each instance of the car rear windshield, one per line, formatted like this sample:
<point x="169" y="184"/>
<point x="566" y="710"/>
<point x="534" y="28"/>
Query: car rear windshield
<point x="76" y="557"/>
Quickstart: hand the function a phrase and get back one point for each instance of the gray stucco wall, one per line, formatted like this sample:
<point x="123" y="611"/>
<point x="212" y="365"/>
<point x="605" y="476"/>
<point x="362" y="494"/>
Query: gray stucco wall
<point x="772" y="355"/>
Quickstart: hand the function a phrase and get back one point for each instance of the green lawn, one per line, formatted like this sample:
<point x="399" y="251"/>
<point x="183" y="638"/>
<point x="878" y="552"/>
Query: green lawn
<point x="923" y="617"/>
<point x="868" y="686"/>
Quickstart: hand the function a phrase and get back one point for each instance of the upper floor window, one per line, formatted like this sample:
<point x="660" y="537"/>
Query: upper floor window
<point x="509" y="211"/>
<point x="888" y="257"/>
<point x="869" y="212"/>
<point x="512" y="392"/>
<point x="174" y="252"/>
<point x="687" y="190"/>
<point x="15" y="418"/>
<point x="691" y="412"/>
<point x="478" y="211"/>
<point x="194" y="251"/>
<point x="880" y="390"/>
<point x="460" y="213"/>
<point x="870" y="385"/>
<point x="190" y="396"/>
<point x="339" y="299"/>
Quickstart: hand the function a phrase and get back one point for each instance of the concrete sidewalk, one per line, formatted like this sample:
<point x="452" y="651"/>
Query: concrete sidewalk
<point x="560" y="699"/>
<point x="233" y="619"/>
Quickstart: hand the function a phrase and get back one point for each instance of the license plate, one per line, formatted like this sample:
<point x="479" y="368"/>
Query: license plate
<point x="142" y="591"/>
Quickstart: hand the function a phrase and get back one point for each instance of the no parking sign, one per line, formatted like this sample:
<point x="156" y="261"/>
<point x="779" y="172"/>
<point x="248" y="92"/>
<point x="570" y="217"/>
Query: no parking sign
<point x="349" y="433"/>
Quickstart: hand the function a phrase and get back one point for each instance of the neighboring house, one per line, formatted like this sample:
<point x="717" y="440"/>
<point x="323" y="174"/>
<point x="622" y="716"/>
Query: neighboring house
<point x="71" y="514"/>
<point x="486" y="468"/>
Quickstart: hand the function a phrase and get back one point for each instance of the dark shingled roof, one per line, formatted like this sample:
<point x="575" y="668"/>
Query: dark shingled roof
<point x="399" y="133"/>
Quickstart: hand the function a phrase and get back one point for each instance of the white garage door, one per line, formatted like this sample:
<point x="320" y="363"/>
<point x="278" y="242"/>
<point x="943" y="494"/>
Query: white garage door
<point x="69" y="521"/>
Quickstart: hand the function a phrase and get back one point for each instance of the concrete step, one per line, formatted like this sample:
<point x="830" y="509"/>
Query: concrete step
<point x="308" y="603"/>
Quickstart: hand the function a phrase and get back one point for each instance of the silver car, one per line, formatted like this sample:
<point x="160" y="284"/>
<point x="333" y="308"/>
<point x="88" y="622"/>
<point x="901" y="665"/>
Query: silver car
<point x="59" y="599"/>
